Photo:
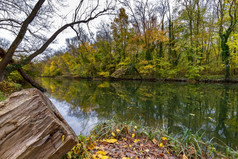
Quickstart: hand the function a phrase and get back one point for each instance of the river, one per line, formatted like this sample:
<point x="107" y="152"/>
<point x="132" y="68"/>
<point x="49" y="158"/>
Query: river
<point x="211" y="109"/>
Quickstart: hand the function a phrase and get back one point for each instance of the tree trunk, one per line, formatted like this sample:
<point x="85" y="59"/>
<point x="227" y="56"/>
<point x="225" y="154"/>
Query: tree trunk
<point x="31" y="127"/>
<point x="161" y="51"/>
<point x="225" y="52"/>
<point x="190" y="56"/>
<point x="197" y="29"/>
<point x="30" y="80"/>
<point x="22" y="73"/>
<point x="1" y="78"/>
<point x="19" y="38"/>
<point x="224" y="35"/>
<point x="138" y="72"/>
<point x="172" y="52"/>
<point x="2" y="73"/>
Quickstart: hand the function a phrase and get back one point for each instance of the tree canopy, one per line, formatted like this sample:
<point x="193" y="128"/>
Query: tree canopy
<point x="158" y="39"/>
<point x="30" y="23"/>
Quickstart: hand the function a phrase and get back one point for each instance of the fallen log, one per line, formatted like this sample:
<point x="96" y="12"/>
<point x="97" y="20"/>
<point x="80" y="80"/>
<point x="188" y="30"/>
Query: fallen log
<point x="31" y="127"/>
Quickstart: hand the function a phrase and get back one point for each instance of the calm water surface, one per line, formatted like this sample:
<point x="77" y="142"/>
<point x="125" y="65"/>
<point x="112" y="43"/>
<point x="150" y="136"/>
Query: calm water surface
<point x="209" y="108"/>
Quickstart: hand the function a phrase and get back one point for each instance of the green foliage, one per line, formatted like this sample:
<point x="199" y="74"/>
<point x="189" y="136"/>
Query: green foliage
<point x="103" y="74"/>
<point x="188" y="46"/>
<point x="81" y="150"/>
<point x="2" y="96"/>
<point x="194" y="72"/>
<point x="8" y="87"/>
<point x="30" y="69"/>
<point x="15" y="76"/>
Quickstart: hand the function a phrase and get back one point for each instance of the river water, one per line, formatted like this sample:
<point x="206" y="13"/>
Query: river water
<point x="211" y="109"/>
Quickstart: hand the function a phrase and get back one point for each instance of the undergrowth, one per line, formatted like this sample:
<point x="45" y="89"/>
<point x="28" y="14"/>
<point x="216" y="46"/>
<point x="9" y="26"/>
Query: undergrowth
<point x="2" y="96"/>
<point x="8" y="87"/>
<point x="186" y="145"/>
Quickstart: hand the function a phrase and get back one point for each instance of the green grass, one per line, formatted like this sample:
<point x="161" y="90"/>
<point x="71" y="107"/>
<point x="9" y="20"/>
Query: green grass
<point x="186" y="143"/>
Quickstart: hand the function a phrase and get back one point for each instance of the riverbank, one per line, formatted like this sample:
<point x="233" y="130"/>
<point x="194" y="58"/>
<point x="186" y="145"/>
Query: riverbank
<point x="209" y="79"/>
<point x="112" y="139"/>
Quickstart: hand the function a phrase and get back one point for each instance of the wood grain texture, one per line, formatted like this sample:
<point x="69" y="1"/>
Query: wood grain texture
<point x="31" y="127"/>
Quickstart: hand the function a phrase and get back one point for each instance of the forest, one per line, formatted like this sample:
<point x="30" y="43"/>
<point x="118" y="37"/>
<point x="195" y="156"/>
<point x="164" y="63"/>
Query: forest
<point x="191" y="39"/>
<point x="155" y="39"/>
<point x="115" y="42"/>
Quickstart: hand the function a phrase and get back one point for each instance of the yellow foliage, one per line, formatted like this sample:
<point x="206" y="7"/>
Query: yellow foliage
<point x="101" y="153"/>
<point x="113" y="134"/>
<point x="117" y="130"/>
<point x="63" y="138"/>
<point x="111" y="141"/>
<point x="154" y="141"/>
<point x="91" y="146"/>
<point x="104" y="74"/>
<point x="99" y="156"/>
<point x="161" y="145"/>
<point x="133" y="135"/>
<point x="167" y="151"/>
<point x="104" y="85"/>
<point x="76" y="150"/>
<point x="149" y="67"/>
<point x="144" y="62"/>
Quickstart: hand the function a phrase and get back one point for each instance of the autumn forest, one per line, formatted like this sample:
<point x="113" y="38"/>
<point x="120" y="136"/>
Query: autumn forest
<point x="155" y="39"/>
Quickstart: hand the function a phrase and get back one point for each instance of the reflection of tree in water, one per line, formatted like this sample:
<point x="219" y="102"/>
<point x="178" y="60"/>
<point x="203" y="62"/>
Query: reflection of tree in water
<point x="222" y="129"/>
<point x="172" y="105"/>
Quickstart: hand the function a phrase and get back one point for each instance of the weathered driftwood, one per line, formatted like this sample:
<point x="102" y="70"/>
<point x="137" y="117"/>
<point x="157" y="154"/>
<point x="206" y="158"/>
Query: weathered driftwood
<point x="31" y="127"/>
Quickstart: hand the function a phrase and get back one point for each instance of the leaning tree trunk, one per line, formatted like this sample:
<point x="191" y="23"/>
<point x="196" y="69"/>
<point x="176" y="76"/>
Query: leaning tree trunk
<point x="30" y="80"/>
<point x="32" y="128"/>
<point x="21" y="72"/>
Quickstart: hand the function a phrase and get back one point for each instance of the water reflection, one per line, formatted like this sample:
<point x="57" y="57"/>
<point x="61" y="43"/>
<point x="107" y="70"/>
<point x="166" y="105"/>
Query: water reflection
<point x="206" y="107"/>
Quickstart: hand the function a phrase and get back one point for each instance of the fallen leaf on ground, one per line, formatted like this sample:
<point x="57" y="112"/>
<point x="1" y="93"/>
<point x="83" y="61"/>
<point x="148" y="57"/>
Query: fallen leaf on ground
<point x="133" y="135"/>
<point x="117" y="130"/>
<point x="113" y="134"/>
<point x="154" y="141"/>
<point x="111" y="141"/>
<point x="184" y="156"/>
<point x="101" y="152"/>
<point x="161" y="145"/>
